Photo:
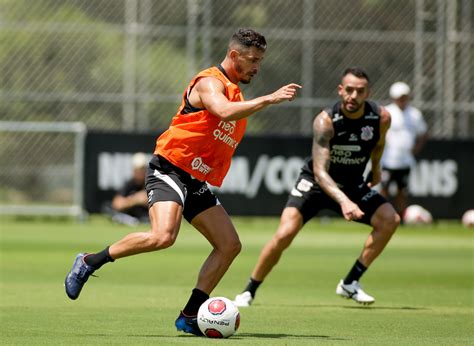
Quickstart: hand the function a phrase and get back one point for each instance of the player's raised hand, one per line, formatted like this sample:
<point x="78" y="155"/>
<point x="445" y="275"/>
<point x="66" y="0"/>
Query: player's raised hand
<point x="285" y="93"/>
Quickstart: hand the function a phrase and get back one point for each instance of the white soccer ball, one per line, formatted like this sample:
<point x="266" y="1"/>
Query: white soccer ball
<point x="417" y="215"/>
<point x="218" y="317"/>
<point x="468" y="218"/>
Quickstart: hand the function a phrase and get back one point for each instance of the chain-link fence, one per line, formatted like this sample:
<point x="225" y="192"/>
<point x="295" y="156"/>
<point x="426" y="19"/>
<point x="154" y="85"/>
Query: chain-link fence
<point x="123" y="64"/>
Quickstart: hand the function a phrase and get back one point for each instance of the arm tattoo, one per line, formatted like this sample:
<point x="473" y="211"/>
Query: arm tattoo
<point x="323" y="132"/>
<point x="321" y="149"/>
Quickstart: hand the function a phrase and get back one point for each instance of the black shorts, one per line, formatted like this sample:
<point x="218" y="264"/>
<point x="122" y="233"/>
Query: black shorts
<point x="398" y="176"/>
<point x="166" y="182"/>
<point x="309" y="199"/>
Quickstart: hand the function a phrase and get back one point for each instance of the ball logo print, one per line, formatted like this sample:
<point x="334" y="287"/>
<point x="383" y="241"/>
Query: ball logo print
<point x="217" y="307"/>
<point x="218" y="317"/>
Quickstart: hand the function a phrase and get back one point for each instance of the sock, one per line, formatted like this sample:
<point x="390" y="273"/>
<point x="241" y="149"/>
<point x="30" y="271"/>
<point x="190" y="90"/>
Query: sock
<point x="195" y="301"/>
<point x="97" y="260"/>
<point x="356" y="272"/>
<point x="252" y="287"/>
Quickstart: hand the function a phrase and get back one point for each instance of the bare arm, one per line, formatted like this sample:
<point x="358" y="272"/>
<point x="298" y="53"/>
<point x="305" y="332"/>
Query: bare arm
<point x="420" y="143"/>
<point x="323" y="131"/>
<point x="209" y="93"/>
<point x="376" y="155"/>
<point x="122" y="203"/>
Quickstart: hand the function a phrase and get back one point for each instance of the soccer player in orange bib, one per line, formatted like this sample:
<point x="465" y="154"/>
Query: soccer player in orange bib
<point x="195" y="150"/>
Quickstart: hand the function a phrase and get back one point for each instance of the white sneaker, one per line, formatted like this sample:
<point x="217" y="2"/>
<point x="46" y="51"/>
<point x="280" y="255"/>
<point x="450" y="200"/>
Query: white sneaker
<point x="354" y="291"/>
<point x="243" y="300"/>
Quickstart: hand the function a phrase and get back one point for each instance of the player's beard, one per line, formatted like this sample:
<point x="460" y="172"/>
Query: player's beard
<point x="239" y="70"/>
<point x="354" y="104"/>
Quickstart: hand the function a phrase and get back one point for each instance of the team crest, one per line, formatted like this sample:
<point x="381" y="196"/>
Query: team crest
<point x="367" y="133"/>
<point x="337" y="117"/>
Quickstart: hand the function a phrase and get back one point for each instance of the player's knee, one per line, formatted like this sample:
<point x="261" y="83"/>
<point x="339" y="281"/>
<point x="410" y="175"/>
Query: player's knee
<point x="233" y="248"/>
<point x="386" y="219"/>
<point x="285" y="236"/>
<point x="161" y="241"/>
<point x="282" y="240"/>
<point x="396" y="221"/>
<point x="229" y="249"/>
<point x="290" y="223"/>
<point x="391" y="222"/>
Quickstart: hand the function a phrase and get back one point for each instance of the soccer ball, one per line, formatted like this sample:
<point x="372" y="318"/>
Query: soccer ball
<point x="468" y="218"/>
<point x="218" y="317"/>
<point x="417" y="215"/>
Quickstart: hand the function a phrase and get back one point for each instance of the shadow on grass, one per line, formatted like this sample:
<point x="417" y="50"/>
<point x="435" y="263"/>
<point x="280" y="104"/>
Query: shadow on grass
<point x="240" y="336"/>
<point x="384" y="308"/>
<point x="234" y="337"/>
<point x="361" y="307"/>
<point x="284" y="336"/>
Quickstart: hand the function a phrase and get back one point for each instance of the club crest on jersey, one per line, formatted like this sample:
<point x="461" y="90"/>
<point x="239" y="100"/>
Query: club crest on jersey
<point x="337" y="117"/>
<point x="367" y="133"/>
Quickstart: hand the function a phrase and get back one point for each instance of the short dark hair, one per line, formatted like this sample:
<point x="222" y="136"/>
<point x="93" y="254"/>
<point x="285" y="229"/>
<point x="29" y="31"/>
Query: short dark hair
<point x="248" y="38"/>
<point x="356" y="71"/>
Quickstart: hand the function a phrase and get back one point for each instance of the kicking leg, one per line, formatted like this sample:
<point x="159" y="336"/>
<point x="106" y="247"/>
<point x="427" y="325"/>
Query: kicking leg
<point x="216" y="226"/>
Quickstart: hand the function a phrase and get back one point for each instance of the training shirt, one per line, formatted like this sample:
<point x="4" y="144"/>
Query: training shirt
<point x="351" y="145"/>
<point x="406" y="126"/>
<point x="199" y="142"/>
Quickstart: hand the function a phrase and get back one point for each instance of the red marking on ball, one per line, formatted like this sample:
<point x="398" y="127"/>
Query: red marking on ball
<point x="237" y="322"/>
<point x="217" y="307"/>
<point x="212" y="333"/>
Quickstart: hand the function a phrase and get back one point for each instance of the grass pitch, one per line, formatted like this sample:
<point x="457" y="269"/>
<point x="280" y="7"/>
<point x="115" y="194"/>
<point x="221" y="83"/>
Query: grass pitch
<point x="423" y="284"/>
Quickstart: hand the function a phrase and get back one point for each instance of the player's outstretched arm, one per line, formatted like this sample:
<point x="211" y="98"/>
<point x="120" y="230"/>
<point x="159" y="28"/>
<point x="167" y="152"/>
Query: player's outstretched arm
<point x="323" y="131"/>
<point x="376" y="155"/>
<point x="211" y="94"/>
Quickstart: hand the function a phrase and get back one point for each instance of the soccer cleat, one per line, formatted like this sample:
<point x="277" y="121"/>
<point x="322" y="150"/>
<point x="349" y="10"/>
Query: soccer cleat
<point x="354" y="291"/>
<point x="77" y="277"/>
<point x="188" y="324"/>
<point x="243" y="300"/>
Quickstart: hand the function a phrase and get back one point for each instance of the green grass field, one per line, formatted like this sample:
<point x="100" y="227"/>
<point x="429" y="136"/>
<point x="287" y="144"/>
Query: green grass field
<point x="423" y="284"/>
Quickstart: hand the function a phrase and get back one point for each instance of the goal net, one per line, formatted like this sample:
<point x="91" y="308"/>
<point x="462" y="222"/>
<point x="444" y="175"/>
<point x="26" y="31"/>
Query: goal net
<point x="41" y="168"/>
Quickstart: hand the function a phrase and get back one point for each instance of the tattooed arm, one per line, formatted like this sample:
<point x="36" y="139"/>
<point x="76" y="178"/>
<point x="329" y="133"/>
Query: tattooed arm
<point x="323" y="131"/>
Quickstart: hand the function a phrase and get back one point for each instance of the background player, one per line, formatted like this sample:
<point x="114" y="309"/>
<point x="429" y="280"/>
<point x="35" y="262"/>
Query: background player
<point x="405" y="139"/>
<point x="130" y="204"/>
<point x="346" y="136"/>
<point x="197" y="148"/>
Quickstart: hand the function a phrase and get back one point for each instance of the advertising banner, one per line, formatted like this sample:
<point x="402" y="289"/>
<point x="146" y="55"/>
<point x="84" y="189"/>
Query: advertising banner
<point x="264" y="169"/>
